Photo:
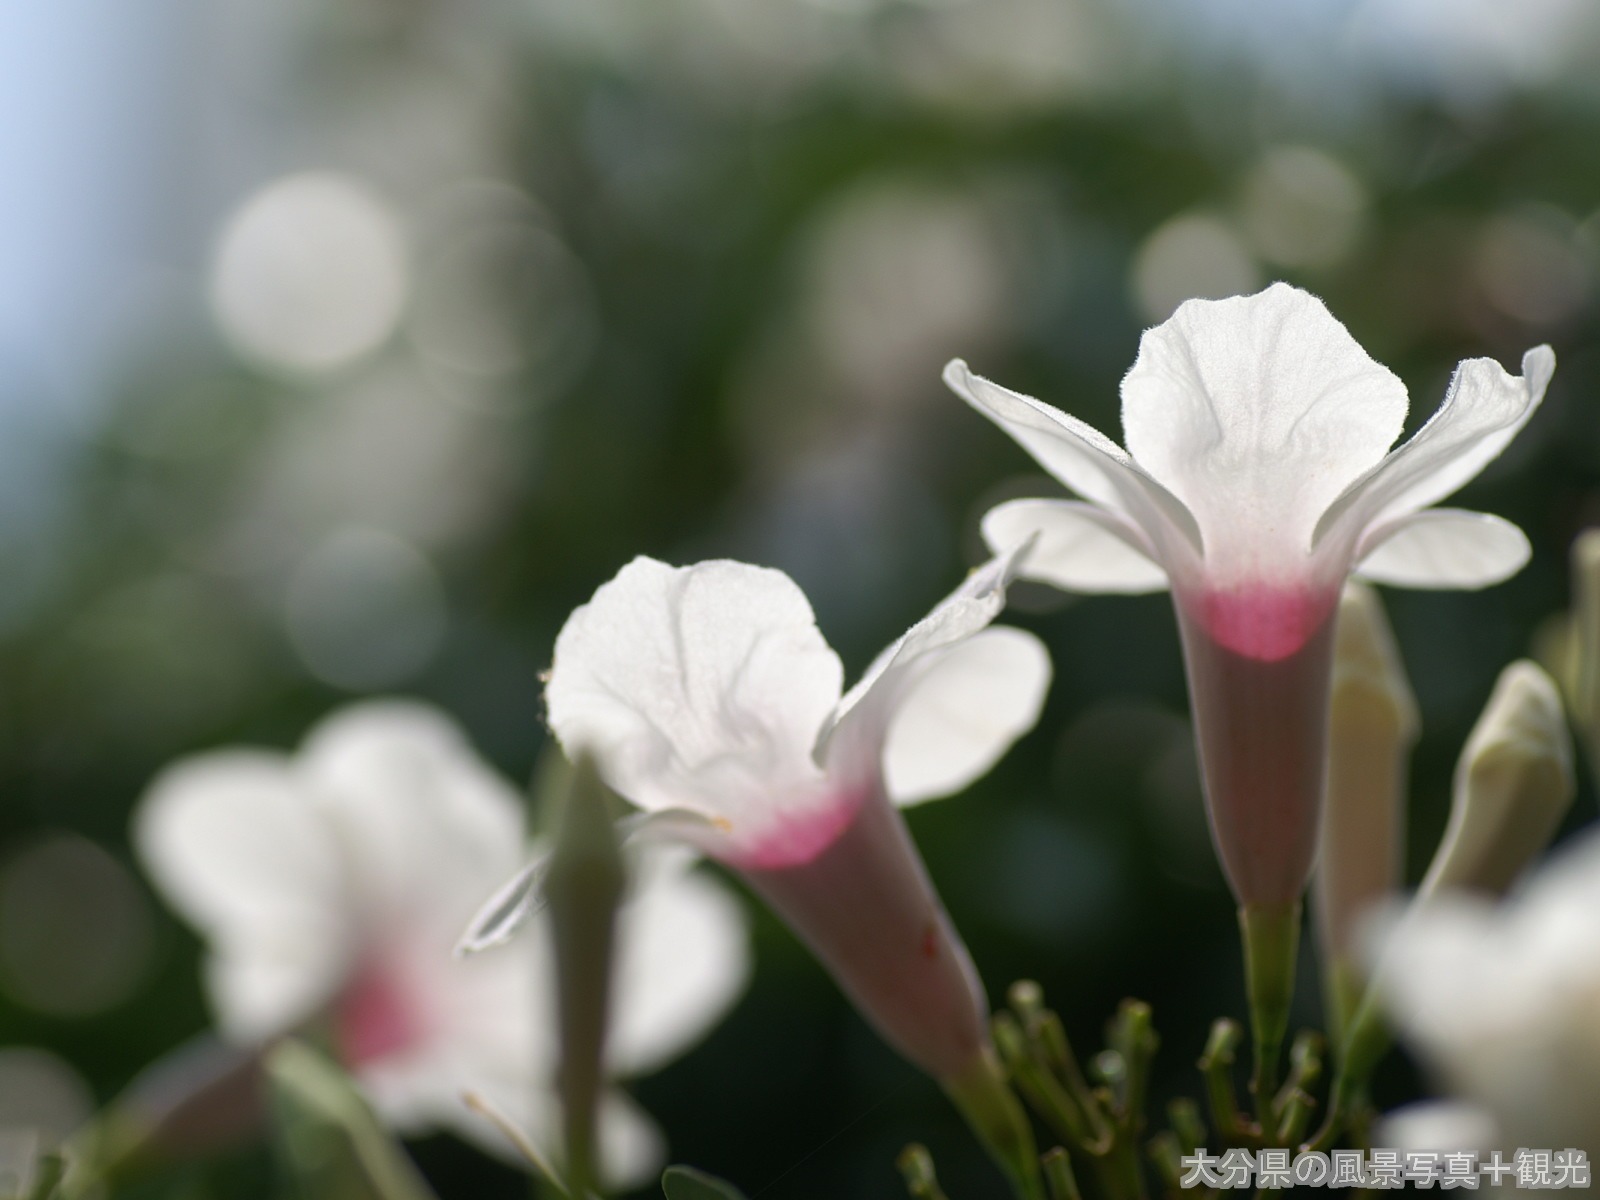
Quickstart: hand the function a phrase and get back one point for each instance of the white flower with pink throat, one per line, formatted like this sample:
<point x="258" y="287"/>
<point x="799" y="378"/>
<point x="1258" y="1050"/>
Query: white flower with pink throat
<point x="711" y="701"/>
<point x="331" y="885"/>
<point x="1258" y="476"/>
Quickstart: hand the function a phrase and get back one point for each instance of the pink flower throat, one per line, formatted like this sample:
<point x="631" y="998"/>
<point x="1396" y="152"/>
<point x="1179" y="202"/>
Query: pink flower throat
<point x="375" y="1017"/>
<point x="1263" y="621"/>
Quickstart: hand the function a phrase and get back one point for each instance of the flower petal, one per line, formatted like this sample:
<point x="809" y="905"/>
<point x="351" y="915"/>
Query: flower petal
<point x="236" y="846"/>
<point x="855" y="742"/>
<point x="1079" y="547"/>
<point x="1483" y="410"/>
<point x="1084" y="459"/>
<point x="961" y="715"/>
<point x="1444" y="548"/>
<point x="698" y="687"/>
<point x="1256" y="412"/>
<point x="683" y="958"/>
<point x="424" y="822"/>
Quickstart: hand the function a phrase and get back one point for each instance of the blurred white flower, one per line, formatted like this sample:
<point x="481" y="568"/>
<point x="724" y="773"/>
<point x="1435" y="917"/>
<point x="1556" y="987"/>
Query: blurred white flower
<point x="712" y="702"/>
<point x="1258" y="477"/>
<point x="330" y="887"/>
<point x="1500" y="999"/>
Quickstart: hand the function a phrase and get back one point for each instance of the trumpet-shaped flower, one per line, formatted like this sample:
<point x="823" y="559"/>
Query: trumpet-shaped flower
<point x="712" y="702"/>
<point x="1499" y="999"/>
<point x="331" y="885"/>
<point x="1258" y="476"/>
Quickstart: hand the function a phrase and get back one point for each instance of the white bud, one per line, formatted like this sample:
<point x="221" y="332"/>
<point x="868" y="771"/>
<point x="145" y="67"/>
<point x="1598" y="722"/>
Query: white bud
<point x="1372" y="727"/>
<point x="1513" y="785"/>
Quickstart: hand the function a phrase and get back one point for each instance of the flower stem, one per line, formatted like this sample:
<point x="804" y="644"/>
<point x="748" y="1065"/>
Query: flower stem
<point x="1271" y="937"/>
<point x="991" y="1108"/>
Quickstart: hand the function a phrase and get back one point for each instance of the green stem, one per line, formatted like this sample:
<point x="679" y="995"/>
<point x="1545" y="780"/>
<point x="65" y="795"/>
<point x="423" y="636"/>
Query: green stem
<point x="991" y="1108"/>
<point x="1216" y="1064"/>
<point x="1271" y="937"/>
<point x="1058" y="1174"/>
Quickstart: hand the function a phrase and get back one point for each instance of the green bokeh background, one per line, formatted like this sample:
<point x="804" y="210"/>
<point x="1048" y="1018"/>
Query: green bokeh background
<point x="698" y="393"/>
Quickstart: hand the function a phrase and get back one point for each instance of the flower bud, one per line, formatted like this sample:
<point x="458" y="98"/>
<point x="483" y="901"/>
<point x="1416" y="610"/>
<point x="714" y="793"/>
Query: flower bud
<point x="584" y="888"/>
<point x="1513" y="785"/>
<point x="1372" y="727"/>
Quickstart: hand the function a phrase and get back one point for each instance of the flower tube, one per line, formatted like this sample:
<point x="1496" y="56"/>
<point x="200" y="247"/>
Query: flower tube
<point x="1258" y="476"/>
<point x="710" y="700"/>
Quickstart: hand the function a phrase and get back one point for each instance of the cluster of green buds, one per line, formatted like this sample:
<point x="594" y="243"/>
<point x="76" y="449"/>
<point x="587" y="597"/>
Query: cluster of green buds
<point x="1096" y="1109"/>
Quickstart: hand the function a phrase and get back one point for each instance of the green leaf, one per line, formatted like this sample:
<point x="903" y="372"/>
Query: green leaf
<point x="686" y="1183"/>
<point x="328" y="1138"/>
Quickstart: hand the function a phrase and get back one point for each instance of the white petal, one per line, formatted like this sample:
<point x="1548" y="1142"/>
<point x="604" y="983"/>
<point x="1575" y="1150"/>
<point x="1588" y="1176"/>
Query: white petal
<point x="1257" y="412"/>
<point x="1483" y="410"/>
<point x="698" y="687"/>
<point x="632" y="1147"/>
<point x="237" y="847"/>
<point x="1084" y="459"/>
<point x="1439" y="1125"/>
<point x="855" y="742"/>
<point x="962" y="714"/>
<point x="1444" y="548"/>
<point x="1078" y="547"/>
<point x="425" y="824"/>
<point x="683" y="958"/>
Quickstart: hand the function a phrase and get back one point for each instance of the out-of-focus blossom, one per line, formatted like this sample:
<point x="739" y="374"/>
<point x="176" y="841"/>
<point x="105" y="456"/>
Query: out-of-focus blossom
<point x="1438" y="1125"/>
<point x="330" y="887"/>
<point x="1372" y="726"/>
<point x="1513" y="785"/>
<point x="1499" y="1000"/>
<point x="1258" y="477"/>
<point x="710" y="700"/>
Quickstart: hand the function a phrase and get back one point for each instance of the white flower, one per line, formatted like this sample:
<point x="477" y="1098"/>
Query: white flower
<point x="712" y="702"/>
<point x="1258" y="477"/>
<point x="1501" y="999"/>
<point x="330" y="887"/>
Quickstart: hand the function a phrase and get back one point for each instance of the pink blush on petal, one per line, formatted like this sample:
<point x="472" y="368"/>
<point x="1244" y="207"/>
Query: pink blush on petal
<point x="375" y="1017"/>
<point x="1265" y="622"/>
<point x="794" y="839"/>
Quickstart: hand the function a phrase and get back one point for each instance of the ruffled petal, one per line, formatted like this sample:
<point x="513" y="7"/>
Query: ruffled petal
<point x="1084" y="459"/>
<point x="1256" y="412"/>
<point x="854" y="745"/>
<point x="1077" y="547"/>
<point x="424" y="823"/>
<point x="962" y="714"/>
<point x="1444" y="548"/>
<point x="237" y="847"/>
<point x="698" y="687"/>
<point x="1483" y="410"/>
<point x="683" y="958"/>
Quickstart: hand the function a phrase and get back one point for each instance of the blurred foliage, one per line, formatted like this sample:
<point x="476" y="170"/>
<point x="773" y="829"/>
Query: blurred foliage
<point x="744" y="280"/>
